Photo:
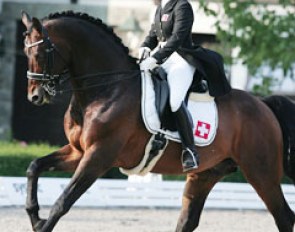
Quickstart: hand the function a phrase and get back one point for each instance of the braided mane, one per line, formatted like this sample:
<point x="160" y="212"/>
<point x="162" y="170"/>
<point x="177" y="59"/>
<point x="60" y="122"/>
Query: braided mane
<point x="96" y="21"/>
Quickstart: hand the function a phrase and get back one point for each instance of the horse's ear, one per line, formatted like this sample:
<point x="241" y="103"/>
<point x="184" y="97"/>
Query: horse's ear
<point x="37" y="24"/>
<point x="26" y="19"/>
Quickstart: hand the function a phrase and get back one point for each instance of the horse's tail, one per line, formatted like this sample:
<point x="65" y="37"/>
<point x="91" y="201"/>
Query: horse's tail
<point x="284" y="110"/>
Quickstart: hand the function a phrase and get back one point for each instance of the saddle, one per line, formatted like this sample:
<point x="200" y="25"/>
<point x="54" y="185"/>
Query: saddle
<point x="157" y="114"/>
<point x="159" y="121"/>
<point x="161" y="88"/>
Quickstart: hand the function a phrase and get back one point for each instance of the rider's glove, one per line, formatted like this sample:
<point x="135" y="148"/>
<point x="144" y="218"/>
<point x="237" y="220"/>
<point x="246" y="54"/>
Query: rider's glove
<point x="143" y="53"/>
<point x="149" y="64"/>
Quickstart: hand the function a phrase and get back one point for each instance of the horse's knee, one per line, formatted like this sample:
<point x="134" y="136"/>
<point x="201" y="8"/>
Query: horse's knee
<point x="33" y="168"/>
<point x="60" y="208"/>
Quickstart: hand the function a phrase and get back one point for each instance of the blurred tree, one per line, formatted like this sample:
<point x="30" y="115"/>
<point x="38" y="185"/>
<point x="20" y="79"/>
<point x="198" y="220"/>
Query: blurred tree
<point x="263" y="33"/>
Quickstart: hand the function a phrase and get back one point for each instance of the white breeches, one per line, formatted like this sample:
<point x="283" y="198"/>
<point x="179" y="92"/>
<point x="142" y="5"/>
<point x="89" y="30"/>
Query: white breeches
<point x="180" y="77"/>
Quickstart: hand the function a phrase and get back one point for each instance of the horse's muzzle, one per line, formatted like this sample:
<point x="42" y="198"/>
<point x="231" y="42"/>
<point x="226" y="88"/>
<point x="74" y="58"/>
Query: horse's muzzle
<point x="38" y="97"/>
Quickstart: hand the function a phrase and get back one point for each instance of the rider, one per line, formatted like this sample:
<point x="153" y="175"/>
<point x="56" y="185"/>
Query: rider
<point x="170" y="38"/>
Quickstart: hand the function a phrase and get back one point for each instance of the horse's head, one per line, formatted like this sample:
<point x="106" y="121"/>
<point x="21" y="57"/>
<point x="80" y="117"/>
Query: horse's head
<point x="46" y="65"/>
<point x="76" y="47"/>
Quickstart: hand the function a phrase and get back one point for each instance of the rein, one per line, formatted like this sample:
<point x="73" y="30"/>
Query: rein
<point x="130" y="74"/>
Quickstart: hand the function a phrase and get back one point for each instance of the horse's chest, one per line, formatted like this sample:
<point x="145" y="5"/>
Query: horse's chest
<point x="74" y="135"/>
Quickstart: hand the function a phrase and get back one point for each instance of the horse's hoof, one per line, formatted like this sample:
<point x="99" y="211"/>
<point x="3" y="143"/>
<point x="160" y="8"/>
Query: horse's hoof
<point x="39" y="225"/>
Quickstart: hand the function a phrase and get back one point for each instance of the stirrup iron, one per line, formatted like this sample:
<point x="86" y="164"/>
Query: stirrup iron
<point x="189" y="160"/>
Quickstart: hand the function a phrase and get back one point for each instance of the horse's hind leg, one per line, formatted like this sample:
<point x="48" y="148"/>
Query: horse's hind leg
<point x="265" y="178"/>
<point x="62" y="160"/>
<point x="196" y="191"/>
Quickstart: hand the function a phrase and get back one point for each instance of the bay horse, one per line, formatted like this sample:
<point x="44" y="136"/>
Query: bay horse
<point x="105" y="128"/>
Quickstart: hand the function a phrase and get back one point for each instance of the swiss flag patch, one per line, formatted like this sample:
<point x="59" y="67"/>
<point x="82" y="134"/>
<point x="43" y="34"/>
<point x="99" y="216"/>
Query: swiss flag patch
<point x="202" y="130"/>
<point x="164" y="17"/>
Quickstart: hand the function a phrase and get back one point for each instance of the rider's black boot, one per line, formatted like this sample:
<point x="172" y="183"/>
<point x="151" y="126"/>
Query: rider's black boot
<point x="190" y="158"/>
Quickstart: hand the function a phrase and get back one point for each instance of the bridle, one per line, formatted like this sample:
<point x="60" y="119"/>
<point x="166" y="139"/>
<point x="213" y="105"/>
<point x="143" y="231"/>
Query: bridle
<point x="48" y="78"/>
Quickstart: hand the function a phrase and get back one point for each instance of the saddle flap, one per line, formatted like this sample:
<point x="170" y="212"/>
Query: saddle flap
<point x="161" y="88"/>
<point x="202" y="107"/>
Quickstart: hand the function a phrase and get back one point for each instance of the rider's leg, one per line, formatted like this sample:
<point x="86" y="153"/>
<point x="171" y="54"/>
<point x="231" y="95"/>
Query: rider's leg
<point x="190" y="158"/>
<point x="180" y="77"/>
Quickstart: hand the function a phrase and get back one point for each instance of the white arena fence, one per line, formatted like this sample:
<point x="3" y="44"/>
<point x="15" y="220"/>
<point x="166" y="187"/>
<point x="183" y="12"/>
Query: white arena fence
<point x="124" y="193"/>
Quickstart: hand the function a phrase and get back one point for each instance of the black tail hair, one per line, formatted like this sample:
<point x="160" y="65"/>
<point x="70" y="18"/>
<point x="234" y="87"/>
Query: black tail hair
<point x="284" y="110"/>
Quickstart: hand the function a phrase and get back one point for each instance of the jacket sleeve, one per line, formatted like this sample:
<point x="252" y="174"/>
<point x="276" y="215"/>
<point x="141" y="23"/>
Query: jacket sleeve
<point x="183" y="21"/>
<point x="151" y="40"/>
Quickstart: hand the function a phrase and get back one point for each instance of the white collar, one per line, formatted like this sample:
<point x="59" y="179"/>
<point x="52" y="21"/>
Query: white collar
<point x="164" y="2"/>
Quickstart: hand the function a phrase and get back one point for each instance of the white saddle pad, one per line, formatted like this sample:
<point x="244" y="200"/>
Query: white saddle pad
<point x="201" y="106"/>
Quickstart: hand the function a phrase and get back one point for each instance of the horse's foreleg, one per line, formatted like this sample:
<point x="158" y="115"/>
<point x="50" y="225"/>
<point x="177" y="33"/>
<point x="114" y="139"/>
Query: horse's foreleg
<point x="196" y="191"/>
<point x="92" y="165"/>
<point x="62" y="160"/>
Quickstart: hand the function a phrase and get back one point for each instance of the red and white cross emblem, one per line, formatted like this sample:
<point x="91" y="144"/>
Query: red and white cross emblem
<point x="202" y="130"/>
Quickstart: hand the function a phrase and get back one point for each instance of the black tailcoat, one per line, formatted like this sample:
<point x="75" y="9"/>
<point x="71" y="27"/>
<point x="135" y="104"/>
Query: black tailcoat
<point x="173" y="24"/>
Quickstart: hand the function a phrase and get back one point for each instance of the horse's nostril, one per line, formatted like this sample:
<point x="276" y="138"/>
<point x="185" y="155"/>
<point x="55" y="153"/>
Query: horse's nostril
<point x="35" y="98"/>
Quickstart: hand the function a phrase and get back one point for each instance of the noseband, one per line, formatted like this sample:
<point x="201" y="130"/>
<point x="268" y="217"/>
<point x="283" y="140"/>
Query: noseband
<point x="49" y="79"/>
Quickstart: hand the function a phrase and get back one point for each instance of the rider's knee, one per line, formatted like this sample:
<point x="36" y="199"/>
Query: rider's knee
<point x="174" y="104"/>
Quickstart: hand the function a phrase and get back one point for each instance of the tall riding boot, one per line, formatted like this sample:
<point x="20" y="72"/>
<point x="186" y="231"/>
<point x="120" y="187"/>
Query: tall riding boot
<point x="190" y="158"/>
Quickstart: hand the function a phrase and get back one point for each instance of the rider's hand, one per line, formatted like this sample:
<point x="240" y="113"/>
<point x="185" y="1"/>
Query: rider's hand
<point x="143" y="53"/>
<point x="149" y="63"/>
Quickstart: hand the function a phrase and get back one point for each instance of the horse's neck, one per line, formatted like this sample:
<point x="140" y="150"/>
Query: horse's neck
<point x="99" y="52"/>
<point x="104" y="70"/>
<point x="95" y="50"/>
<point x="106" y="92"/>
<point x="80" y="103"/>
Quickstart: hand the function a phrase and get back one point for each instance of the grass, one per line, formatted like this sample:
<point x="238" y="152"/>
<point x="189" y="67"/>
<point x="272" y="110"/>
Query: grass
<point x="15" y="157"/>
